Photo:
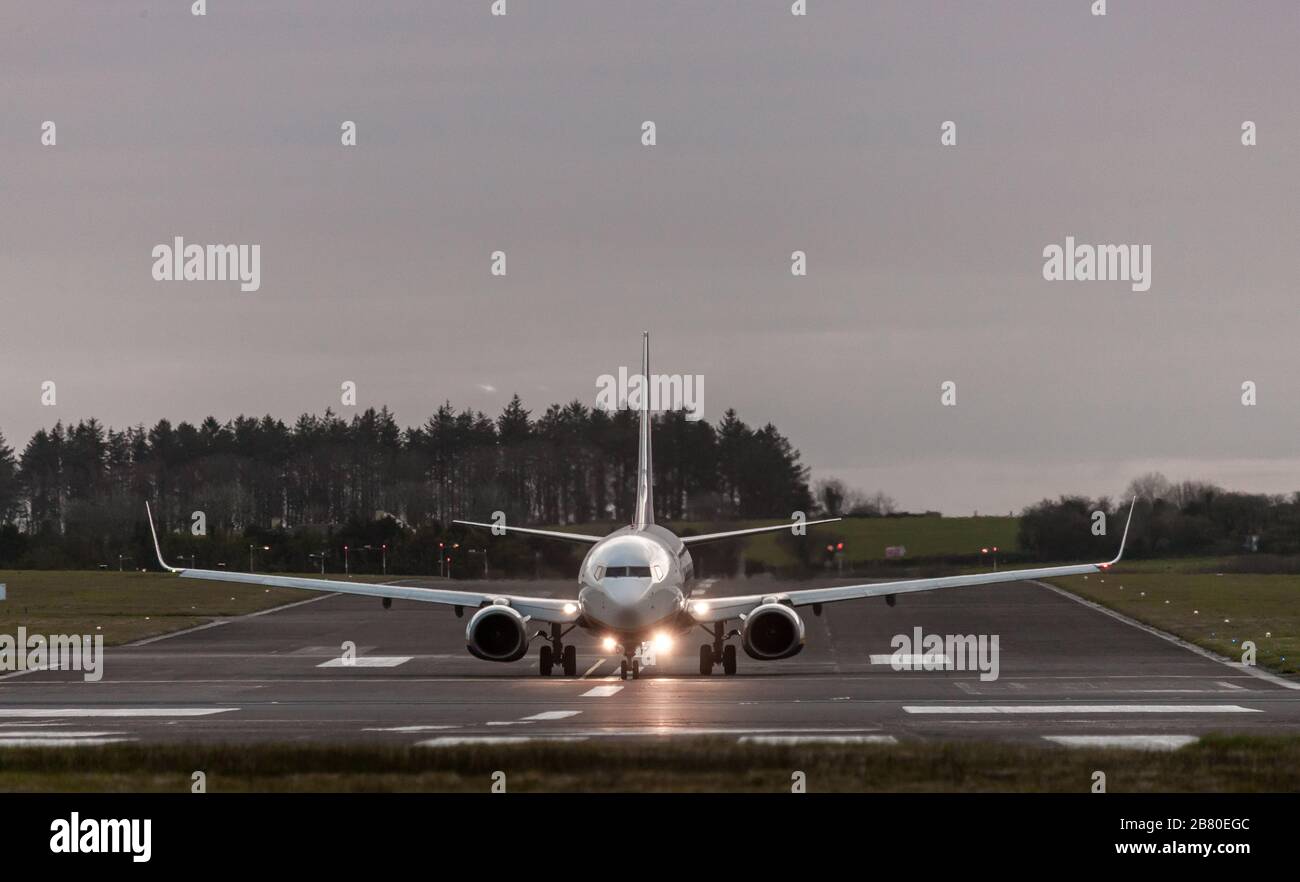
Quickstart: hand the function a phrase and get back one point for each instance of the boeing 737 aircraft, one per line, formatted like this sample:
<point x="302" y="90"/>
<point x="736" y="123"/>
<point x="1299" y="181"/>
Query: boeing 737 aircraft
<point x="634" y="590"/>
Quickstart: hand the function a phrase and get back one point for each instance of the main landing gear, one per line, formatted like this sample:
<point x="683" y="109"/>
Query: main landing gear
<point x="718" y="653"/>
<point x="555" y="652"/>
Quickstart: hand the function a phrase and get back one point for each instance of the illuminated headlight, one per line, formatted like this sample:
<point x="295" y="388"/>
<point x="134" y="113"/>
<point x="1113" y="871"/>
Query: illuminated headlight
<point x="609" y="644"/>
<point x="662" y="642"/>
<point x="700" y="608"/>
<point x="570" y="609"/>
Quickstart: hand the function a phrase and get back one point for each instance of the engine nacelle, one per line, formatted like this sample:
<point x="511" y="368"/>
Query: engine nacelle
<point x="772" y="631"/>
<point x="497" y="633"/>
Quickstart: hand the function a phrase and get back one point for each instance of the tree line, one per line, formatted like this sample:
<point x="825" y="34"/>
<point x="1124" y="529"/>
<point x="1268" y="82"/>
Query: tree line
<point x="1171" y="519"/>
<point x="74" y="496"/>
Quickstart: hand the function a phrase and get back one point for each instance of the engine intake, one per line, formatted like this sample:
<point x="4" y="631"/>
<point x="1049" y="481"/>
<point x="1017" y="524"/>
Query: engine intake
<point x="497" y="633"/>
<point x="772" y="631"/>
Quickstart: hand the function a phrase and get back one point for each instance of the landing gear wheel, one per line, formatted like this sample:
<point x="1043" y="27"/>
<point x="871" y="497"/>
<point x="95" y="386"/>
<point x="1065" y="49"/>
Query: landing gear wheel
<point x="545" y="660"/>
<point x="636" y="668"/>
<point x="622" y="669"/>
<point x="570" y="660"/>
<point x="729" y="659"/>
<point x="706" y="660"/>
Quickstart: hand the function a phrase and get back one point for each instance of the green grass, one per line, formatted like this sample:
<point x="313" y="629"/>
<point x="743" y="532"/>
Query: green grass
<point x="1216" y="764"/>
<point x="126" y="606"/>
<point x="1190" y="599"/>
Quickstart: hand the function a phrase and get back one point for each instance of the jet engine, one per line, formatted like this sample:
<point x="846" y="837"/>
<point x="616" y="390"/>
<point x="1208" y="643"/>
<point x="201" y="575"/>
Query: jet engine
<point x="772" y="631"/>
<point x="497" y="633"/>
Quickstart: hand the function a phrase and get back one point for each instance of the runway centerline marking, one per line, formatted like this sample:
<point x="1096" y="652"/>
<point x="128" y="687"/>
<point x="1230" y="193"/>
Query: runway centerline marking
<point x="367" y="661"/>
<point x="601" y="691"/>
<point x="1132" y="742"/>
<point x="1079" y="709"/>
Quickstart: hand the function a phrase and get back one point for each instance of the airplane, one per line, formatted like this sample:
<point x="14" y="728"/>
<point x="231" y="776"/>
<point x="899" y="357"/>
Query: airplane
<point x="634" y="591"/>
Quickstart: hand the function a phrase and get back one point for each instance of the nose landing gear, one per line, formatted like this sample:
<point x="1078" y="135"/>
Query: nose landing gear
<point x="634" y="666"/>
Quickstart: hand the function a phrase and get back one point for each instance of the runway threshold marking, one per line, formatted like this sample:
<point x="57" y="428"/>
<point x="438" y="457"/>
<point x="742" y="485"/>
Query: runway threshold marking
<point x="1079" y="709"/>
<point x="34" y="712"/>
<point x="1132" y="742"/>
<point x="601" y="691"/>
<point x="367" y="661"/>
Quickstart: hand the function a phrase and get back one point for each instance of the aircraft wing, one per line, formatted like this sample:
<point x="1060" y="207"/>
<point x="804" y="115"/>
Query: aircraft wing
<point x="720" y="609"/>
<point x="542" y="609"/>
<point x="549" y="534"/>
<point x="731" y="534"/>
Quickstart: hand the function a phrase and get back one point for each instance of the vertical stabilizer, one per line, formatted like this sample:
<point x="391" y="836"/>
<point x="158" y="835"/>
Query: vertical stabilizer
<point x="644" y="515"/>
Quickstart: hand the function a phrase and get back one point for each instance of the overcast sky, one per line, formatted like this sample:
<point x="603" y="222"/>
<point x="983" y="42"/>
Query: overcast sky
<point x="775" y="133"/>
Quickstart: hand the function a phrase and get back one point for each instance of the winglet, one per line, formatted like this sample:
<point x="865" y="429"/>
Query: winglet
<point x="1123" y="539"/>
<point x="156" y="547"/>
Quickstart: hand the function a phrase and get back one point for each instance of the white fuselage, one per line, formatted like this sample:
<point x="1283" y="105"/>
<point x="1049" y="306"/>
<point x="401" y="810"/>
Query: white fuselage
<point x="633" y="581"/>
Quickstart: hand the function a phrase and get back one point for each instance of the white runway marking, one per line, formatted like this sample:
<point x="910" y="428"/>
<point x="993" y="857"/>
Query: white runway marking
<point x="68" y="742"/>
<point x="462" y="740"/>
<point x="599" y="662"/>
<point x="1135" y="742"/>
<point x="660" y="731"/>
<point x="601" y="691"/>
<point x="30" y="712"/>
<point x="1078" y="709"/>
<point x="928" y="661"/>
<point x="817" y="739"/>
<point x="410" y="729"/>
<point x="551" y="715"/>
<point x="53" y="734"/>
<point x="367" y="661"/>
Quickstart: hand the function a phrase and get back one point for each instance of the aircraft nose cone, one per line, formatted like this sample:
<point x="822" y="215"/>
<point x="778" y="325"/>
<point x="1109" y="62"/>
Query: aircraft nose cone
<point x="626" y="592"/>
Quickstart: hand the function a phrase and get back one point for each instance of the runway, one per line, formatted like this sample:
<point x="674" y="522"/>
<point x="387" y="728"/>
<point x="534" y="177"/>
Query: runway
<point x="1068" y="675"/>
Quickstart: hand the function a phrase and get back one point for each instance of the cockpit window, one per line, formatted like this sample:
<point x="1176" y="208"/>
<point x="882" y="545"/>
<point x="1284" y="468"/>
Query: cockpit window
<point x="626" y="572"/>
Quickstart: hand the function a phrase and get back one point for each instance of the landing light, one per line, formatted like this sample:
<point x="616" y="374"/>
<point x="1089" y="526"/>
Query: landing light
<point x="662" y="642"/>
<point x="700" y="608"/>
<point x="570" y="609"/>
<point x="609" y="644"/>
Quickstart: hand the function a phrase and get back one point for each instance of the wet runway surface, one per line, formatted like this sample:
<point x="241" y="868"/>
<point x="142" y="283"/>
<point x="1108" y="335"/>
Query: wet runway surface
<point x="1066" y="672"/>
